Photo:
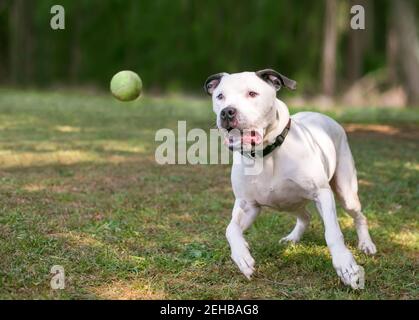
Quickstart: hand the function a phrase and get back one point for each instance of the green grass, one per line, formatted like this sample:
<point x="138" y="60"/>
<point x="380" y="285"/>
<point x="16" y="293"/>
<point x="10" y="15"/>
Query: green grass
<point x="80" y="188"/>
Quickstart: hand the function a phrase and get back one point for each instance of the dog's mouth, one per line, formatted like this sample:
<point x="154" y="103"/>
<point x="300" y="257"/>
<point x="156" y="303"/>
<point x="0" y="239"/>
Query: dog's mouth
<point x="238" y="139"/>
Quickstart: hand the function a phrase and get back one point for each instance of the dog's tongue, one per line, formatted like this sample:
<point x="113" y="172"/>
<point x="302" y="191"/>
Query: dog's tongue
<point x="251" y="137"/>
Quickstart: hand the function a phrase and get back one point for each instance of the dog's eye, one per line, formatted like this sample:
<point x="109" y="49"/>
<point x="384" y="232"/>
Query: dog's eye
<point x="253" y="94"/>
<point x="220" y="96"/>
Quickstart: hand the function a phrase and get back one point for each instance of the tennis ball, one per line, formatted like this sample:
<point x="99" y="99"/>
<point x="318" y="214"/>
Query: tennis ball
<point x="126" y="86"/>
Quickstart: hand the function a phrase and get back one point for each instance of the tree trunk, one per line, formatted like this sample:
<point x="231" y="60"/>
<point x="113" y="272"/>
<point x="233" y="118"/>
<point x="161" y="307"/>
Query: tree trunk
<point x="329" y="49"/>
<point x="16" y="30"/>
<point x="76" y="51"/>
<point x="392" y="54"/>
<point x="355" y="56"/>
<point x="405" y="27"/>
<point x="21" y="51"/>
<point x="3" y="47"/>
<point x="359" y="41"/>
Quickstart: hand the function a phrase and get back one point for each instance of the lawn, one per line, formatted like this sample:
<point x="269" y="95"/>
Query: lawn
<point x="80" y="188"/>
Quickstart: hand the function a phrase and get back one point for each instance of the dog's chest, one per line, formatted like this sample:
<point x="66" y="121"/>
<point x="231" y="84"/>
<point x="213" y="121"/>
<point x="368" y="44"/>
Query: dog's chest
<point x="277" y="192"/>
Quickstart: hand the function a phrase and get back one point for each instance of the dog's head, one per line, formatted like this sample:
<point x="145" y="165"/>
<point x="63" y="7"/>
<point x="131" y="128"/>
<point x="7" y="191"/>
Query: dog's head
<point x="246" y="101"/>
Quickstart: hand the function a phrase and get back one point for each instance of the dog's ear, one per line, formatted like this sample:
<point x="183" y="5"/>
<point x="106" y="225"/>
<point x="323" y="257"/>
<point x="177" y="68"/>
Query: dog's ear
<point x="212" y="82"/>
<point x="276" y="79"/>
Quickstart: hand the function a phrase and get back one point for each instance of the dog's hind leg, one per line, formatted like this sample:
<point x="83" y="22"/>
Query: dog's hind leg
<point x="303" y="221"/>
<point x="345" y="185"/>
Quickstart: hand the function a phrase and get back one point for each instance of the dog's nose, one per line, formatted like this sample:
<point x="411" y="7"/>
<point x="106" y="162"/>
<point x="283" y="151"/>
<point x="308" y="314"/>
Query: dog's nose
<point x="228" y="113"/>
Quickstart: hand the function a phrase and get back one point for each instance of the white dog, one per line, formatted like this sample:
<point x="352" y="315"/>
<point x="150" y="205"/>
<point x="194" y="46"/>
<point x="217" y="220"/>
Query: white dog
<point x="305" y="157"/>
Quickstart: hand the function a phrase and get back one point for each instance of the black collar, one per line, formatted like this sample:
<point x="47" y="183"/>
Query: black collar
<point x="268" y="150"/>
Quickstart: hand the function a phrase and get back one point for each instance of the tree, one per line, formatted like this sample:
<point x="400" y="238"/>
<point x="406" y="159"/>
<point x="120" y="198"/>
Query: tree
<point x="21" y="51"/>
<point x="3" y="41"/>
<point x="329" y="48"/>
<point x="405" y="26"/>
<point x="359" y="42"/>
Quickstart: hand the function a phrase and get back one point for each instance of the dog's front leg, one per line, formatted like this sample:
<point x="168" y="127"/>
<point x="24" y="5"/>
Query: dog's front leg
<point x="244" y="213"/>
<point x="343" y="260"/>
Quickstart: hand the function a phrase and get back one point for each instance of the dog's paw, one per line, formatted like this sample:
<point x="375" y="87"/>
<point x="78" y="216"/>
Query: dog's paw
<point x="244" y="261"/>
<point x="367" y="246"/>
<point x="291" y="238"/>
<point x="348" y="270"/>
